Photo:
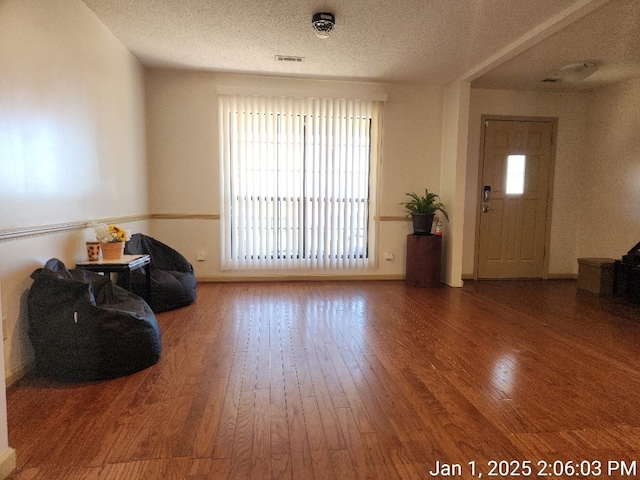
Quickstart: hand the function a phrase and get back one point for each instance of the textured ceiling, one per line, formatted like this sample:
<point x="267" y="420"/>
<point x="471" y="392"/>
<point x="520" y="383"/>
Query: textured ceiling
<point x="418" y="41"/>
<point x="609" y="36"/>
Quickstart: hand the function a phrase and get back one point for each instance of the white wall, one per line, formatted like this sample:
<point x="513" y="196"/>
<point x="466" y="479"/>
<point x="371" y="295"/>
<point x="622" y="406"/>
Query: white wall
<point x="610" y="200"/>
<point x="183" y="158"/>
<point x="72" y="145"/>
<point x="452" y="180"/>
<point x="569" y="177"/>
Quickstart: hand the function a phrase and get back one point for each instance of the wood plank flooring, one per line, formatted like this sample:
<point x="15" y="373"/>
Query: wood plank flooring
<point x="355" y="380"/>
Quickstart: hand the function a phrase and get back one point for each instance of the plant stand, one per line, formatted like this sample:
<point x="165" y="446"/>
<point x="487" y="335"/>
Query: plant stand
<point x="423" y="260"/>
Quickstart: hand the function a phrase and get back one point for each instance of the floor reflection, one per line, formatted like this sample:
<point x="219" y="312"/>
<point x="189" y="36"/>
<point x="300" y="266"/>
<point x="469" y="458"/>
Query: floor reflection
<point x="504" y="374"/>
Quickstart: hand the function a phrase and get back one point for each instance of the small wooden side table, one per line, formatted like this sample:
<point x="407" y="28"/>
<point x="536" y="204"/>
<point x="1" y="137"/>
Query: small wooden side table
<point x="124" y="266"/>
<point x="423" y="260"/>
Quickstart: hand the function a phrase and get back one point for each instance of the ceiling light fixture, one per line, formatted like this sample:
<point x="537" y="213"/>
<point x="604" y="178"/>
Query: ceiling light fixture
<point x="288" y="58"/>
<point x="577" y="71"/>
<point x="323" y="24"/>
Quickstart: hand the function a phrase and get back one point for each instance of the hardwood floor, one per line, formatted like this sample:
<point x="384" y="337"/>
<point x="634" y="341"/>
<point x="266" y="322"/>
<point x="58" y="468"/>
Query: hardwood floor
<point x="350" y="380"/>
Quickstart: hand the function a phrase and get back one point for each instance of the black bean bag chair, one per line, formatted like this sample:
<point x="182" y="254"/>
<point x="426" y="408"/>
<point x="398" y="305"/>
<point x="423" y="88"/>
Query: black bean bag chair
<point x="85" y="328"/>
<point x="173" y="283"/>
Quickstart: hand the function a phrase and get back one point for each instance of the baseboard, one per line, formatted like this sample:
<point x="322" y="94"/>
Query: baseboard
<point x="551" y="276"/>
<point x="333" y="278"/>
<point x="562" y="276"/>
<point x="295" y="278"/>
<point x="15" y="375"/>
<point x="7" y="463"/>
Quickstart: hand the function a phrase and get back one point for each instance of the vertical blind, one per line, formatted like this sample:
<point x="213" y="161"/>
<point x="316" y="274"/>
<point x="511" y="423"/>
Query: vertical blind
<point x="298" y="182"/>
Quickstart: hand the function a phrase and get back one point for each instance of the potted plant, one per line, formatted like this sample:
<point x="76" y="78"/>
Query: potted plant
<point x="422" y="210"/>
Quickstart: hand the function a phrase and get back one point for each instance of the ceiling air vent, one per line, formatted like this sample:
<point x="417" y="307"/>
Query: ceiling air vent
<point x="288" y="58"/>
<point x="552" y="80"/>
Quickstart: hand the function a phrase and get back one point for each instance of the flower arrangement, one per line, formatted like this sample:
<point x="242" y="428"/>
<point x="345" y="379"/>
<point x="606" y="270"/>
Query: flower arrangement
<point x="111" y="233"/>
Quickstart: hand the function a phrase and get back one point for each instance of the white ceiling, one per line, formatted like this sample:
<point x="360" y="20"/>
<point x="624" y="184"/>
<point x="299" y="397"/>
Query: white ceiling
<point x="497" y="43"/>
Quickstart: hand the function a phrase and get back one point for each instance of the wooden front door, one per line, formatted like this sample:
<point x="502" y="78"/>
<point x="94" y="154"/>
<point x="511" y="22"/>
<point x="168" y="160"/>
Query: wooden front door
<point x="514" y="190"/>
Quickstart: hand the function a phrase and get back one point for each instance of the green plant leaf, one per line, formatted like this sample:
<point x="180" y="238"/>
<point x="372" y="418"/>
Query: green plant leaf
<point x="429" y="203"/>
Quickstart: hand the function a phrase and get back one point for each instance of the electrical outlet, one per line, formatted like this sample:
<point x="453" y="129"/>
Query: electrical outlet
<point x="388" y="255"/>
<point x="201" y="256"/>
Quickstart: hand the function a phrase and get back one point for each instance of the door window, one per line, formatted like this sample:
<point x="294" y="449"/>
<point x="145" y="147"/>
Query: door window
<point x="516" y="165"/>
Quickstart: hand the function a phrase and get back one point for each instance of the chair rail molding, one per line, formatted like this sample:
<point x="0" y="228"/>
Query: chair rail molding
<point x="35" y="230"/>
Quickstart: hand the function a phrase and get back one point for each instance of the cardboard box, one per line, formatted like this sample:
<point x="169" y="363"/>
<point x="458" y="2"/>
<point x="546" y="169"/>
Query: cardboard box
<point x="596" y="275"/>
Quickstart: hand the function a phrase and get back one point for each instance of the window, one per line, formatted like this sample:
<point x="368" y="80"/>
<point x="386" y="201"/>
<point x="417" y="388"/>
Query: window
<point x="298" y="182"/>
<point x="515" y="174"/>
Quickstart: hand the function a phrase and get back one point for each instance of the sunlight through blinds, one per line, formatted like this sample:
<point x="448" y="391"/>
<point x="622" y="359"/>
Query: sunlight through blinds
<point x="298" y="182"/>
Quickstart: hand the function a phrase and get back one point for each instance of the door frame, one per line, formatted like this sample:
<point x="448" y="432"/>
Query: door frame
<point x="552" y="168"/>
